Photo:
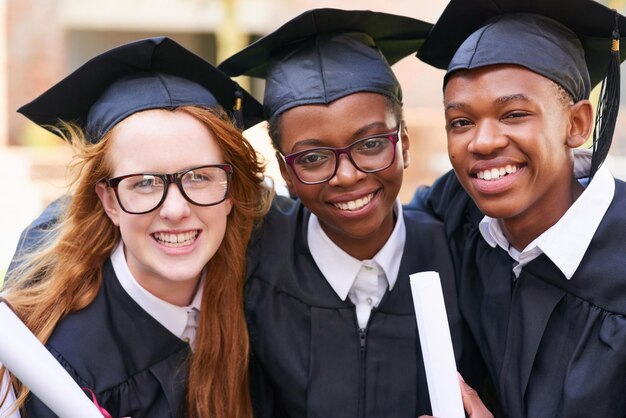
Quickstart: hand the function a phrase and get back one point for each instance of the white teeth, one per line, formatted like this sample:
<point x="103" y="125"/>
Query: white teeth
<point x="355" y="204"/>
<point x="176" y="240"/>
<point x="496" y="173"/>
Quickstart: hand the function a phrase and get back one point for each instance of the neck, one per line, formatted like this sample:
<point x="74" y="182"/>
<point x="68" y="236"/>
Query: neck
<point x="522" y="230"/>
<point x="177" y="293"/>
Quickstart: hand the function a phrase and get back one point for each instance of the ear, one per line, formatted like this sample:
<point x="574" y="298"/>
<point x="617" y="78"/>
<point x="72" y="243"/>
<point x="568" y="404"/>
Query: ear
<point x="286" y="174"/>
<point x="109" y="202"/>
<point x="228" y="205"/>
<point x="581" y="123"/>
<point x="406" y="142"/>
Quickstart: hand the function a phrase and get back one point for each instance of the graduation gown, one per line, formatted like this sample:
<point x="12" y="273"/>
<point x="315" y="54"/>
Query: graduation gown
<point x="134" y="365"/>
<point x="37" y="232"/>
<point x="554" y="347"/>
<point x="310" y="359"/>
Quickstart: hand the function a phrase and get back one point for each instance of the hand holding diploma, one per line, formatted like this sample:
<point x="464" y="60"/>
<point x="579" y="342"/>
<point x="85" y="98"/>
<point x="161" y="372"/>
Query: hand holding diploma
<point x="24" y="355"/>
<point x="449" y="394"/>
<point x="436" y="343"/>
<point x="474" y="407"/>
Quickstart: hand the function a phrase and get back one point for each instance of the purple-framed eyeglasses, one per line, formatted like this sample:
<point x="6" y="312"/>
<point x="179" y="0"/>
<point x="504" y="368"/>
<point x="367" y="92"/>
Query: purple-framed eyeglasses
<point x="369" y="155"/>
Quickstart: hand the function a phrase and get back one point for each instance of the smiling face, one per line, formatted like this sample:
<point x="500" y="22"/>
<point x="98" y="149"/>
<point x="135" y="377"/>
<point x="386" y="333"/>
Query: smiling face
<point x="354" y="208"/>
<point x="510" y="140"/>
<point x="166" y="249"/>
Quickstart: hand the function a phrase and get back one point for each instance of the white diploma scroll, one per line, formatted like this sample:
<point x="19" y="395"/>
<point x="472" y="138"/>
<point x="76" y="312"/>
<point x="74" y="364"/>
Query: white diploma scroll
<point x="24" y="355"/>
<point x="434" y="332"/>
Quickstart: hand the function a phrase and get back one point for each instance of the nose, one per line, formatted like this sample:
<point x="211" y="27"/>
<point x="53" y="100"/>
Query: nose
<point x="175" y="207"/>
<point x="346" y="174"/>
<point x="487" y="139"/>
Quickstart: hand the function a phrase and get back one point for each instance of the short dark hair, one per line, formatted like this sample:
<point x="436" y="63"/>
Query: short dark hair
<point x="563" y="95"/>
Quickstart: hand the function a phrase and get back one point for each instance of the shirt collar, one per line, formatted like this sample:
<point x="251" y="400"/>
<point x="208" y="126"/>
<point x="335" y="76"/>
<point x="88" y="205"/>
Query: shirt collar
<point x="566" y="242"/>
<point x="172" y="317"/>
<point x="340" y="269"/>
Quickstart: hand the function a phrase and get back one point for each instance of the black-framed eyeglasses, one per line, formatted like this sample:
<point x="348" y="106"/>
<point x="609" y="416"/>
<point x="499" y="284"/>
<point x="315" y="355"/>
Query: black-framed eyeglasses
<point x="141" y="193"/>
<point x="369" y="155"/>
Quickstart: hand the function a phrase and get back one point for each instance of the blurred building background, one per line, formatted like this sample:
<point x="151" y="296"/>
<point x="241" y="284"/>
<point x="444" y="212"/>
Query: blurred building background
<point x="41" y="41"/>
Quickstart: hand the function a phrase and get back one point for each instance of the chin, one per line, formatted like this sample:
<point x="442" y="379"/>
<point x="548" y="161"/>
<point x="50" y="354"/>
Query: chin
<point x="496" y="211"/>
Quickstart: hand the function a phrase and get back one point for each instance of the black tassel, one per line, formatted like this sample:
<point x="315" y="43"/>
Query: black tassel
<point x="608" y="106"/>
<point x="238" y="108"/>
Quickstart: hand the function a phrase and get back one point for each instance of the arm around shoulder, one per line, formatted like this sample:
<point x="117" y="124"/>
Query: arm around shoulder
<point x="34" y="235"/>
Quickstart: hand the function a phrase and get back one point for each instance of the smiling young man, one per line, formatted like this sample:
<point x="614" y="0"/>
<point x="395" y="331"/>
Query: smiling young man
<point x="538" y="253"/>
<point x="329" y="308"/>
<point x="505" y="128"/>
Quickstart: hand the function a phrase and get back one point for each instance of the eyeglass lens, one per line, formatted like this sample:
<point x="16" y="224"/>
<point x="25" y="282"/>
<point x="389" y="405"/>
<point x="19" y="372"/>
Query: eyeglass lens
<point x="144" y="192"/>
<point x="368" y="154"/>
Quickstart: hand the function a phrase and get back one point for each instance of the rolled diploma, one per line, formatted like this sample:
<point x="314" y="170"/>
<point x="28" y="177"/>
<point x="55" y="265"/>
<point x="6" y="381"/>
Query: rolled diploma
<point x="24" y="355"/>
<point x="436" y="343"/>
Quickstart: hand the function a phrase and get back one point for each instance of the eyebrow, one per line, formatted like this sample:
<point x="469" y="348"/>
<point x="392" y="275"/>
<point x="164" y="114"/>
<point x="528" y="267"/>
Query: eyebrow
<point x="308" y="142"/>
<point x="499" y="101"/>
<point x="455" y="105"/>
<point x="359" y="133"/>
<point x="512" y="98"/>
<point x="364" y="129"/>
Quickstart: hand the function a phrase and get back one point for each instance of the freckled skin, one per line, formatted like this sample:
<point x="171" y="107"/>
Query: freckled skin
<point x="506" y="114"/>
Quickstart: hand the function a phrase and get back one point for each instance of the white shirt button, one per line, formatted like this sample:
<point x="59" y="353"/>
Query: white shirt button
<point x="369" y="301"/>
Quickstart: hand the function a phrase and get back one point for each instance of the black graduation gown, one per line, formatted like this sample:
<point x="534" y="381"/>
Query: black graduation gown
<point x="37" y="232"/>
<point x="134" y="365"/>
<point x="554" y="347"/>
<point x="309" y="357"/>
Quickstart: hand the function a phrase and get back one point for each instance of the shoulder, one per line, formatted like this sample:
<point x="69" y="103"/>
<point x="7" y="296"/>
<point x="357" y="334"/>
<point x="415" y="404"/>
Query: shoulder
<point x="416" y="218"/>
<point x="36" y="234"/>
<point x="615" y="212"/>
<point x="112" y="338"/>
<point x="620" y="189"/>
<point x="284" y="223"/>
<point x="283" y="218"/>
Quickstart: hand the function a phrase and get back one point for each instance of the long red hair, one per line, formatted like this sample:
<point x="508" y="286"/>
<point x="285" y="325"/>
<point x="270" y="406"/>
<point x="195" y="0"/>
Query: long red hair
<point x="64" y="274"/>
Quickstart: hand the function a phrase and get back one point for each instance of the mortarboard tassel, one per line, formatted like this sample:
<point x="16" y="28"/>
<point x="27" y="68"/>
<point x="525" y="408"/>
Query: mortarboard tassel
<point x="608" y="106"/>
<point x="238" y="108"/>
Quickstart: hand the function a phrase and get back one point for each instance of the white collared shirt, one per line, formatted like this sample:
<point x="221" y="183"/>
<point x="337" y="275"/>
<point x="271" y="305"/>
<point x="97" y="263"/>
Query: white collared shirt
<point x="565" y="242"/>
<point x="364" y="281"/>
<point x="172" y="317"/>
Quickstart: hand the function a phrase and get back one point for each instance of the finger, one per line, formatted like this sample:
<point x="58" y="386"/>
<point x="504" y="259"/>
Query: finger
<point x="474" y="407"/>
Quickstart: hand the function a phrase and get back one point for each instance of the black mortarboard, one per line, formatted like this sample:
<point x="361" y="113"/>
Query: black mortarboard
<point x="325" y="54"/>
<point x="568" y="41"/>
<point x="152" y="73"/>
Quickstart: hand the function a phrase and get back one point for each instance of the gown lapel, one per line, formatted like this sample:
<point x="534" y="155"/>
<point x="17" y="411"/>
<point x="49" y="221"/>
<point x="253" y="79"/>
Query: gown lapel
<point x="532" y="303"/>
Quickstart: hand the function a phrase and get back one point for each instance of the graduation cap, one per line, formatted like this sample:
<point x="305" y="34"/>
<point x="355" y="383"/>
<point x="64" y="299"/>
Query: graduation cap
<point x="325" y="54"/>
<point x="151" y="73"/>
<point x="574" y="43"/>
